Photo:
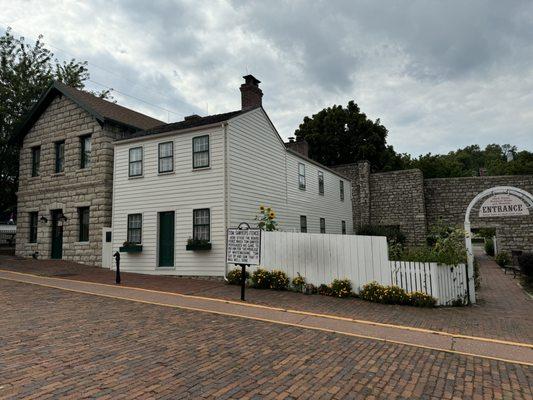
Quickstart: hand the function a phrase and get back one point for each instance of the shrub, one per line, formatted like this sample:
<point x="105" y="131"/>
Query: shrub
<point x="525" y="261"/>
<point x="372" y="291"/>
<point x="419" y="299"/>
<point x="298" y="282"/>
<point x="503" y="259"/>
<point x="234" y="276"/>
<point x="489" y="247"/>
<point x="324" y="290"/>
<point x="392" y="232"/>
<point x="477" y="274"/>
<point x="341" y="288"/>
<point x="309" y="288"/>
<point x="279" y="280"/>
<point x="261" y="278"/>
<point x="395" y="295"/>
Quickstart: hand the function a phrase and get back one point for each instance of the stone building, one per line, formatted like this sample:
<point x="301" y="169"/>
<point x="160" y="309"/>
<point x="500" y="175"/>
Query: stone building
<point x="66" y="173"/>
<point x="414" y="204"/>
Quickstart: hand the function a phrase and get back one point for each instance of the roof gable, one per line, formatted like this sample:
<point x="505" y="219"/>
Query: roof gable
<point x="102" y="110"/>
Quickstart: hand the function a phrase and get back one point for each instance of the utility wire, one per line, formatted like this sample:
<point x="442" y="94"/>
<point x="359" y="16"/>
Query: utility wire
<point x="3" y="25"/>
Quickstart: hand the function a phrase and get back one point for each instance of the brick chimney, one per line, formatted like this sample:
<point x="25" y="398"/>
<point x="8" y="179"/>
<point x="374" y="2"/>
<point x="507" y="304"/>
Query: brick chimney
<point x="299" y="145"/>
<point x="251" y="95"/>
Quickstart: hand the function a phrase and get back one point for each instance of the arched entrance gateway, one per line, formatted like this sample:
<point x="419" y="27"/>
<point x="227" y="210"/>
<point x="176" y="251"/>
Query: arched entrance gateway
<point x="499" y="201"/>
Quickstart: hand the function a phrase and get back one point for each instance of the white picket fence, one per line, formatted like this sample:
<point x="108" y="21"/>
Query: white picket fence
<point x="320" y="258"/>
<point x="444" y="282"/>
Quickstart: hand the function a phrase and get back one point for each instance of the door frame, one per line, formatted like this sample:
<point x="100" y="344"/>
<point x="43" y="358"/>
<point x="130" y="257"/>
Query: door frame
<point x="54" y="219"/>
<point x="159" y="213"/>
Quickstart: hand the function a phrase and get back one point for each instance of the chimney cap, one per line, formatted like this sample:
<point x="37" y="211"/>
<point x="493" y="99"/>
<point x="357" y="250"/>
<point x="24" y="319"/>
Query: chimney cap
<point x="191" y="117"/>
<point x="250" y="79"/>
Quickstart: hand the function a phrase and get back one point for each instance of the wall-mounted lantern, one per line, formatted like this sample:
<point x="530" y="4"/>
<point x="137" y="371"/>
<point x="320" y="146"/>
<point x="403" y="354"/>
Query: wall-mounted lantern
<point x="61" y="220"/>
<point x="43" y="220"/>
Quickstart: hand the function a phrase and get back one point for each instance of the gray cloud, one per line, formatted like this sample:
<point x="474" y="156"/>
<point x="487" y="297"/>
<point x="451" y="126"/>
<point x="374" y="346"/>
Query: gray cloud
<point x="438" y="74"/>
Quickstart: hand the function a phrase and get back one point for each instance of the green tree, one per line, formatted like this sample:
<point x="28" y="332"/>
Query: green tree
<point x="26" y="71"/>
<point x="338" y="135"/>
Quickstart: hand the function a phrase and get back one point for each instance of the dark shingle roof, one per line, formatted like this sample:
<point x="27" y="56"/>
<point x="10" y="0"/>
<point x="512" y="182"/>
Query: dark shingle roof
<point x="102" y="110"/>
<point x="186" y="124"/>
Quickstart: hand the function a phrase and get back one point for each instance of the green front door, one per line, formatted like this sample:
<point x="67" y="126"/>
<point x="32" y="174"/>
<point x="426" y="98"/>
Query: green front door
<point x="57" y="235"/>
<point x="166" y="239"/>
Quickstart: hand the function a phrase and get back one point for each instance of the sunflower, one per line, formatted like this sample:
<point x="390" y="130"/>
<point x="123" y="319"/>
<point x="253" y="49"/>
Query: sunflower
<point x="262" y="208"/>
<point x="272" y="215"/>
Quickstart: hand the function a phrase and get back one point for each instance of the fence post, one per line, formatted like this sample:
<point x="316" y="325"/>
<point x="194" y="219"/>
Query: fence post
<point x="434" y="273"/>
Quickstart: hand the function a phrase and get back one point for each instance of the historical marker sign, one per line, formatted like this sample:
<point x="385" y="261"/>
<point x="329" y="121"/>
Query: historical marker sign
<point x="243" y="246"/>
<point x="503" y="205"/>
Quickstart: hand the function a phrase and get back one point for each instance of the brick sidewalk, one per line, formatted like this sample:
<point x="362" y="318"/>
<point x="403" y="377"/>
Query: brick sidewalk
<point x="59" y="344"/>
<point x="503" y="311"/>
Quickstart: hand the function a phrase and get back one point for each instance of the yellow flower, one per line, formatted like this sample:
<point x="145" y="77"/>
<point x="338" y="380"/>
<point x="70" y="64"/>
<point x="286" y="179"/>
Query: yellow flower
<point x="262" y="208"/>
<point x="272" y="215"/>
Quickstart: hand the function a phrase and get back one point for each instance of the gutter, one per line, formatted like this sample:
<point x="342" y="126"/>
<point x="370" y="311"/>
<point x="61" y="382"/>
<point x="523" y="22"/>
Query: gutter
<point x="168" y="133"/>
<point x="226" y="194"/>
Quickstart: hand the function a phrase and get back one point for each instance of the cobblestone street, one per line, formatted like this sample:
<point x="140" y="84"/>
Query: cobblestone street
<point x="62" y="344"/>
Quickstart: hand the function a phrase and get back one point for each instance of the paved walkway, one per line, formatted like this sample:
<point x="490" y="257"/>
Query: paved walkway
<point x="466" y="345"/>
<point x="62" y="344"/>
<point x="504" y="311"/>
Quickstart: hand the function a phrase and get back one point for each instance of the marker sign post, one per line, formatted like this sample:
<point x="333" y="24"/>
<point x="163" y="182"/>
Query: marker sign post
<point x="243" y="247"/>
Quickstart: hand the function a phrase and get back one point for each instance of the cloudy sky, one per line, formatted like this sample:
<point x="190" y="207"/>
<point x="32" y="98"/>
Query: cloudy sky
<point x="439" y="74"/>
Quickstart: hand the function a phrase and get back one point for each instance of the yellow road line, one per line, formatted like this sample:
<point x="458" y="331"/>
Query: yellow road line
<point x="308" y="313"/>
<point x="276" y="322"/>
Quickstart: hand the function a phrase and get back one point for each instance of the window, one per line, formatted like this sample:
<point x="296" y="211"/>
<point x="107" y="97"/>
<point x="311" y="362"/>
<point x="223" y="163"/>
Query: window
<point x="301" y="176"/>
<point x="303" y="224"/>
<point x="320" y="182"/>
<point x="83" y="224"/>
<point x="166" y="157"/>
<point x="60" y="156"/>
<point x="342" y="190"/>
<point x="343" y="227"/>
<point x="135" y="223"/>
<point x="322" y="225"/>
<point x="200" y="152"/>
<point x="85" y="147"/>
<point x="136" y="161"/>
<point x="33" y="227"/>
<point x="35" y="160"/>
<point x="201" y="224"/>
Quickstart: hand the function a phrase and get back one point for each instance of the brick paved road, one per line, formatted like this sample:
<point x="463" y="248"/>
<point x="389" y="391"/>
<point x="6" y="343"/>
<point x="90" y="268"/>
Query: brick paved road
<point x="503" y="311"/>
<point x="58" y="344"/>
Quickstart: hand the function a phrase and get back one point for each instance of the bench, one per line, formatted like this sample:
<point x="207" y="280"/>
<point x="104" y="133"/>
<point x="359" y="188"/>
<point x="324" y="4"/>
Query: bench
<point x="513" y="268"/>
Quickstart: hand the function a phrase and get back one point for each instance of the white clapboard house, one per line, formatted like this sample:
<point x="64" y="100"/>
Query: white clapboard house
<point x="197" y="177"/>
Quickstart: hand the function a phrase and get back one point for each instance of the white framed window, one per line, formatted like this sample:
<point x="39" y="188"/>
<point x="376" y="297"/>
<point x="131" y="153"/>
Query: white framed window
<point x="166" y="157"/>
<point x="200" y="152"/>
<point x="303" y="224"/>
<point x="322" y="225"/>
<point x="135" y="223"/>
<point x="343" y="227"/>
<point x="320" y="182"/>
<point x="201" y="224"/>
<point x="301" y="176"/>
<point x="136" y="161"/>
<point x="341" y="187"/>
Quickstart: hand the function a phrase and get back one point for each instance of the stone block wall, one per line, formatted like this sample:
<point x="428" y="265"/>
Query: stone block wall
<point x="406" y="199"/>
<point x="397" y="198"/>
<point x="68" y="190"/>
<point x="448" y="199"/>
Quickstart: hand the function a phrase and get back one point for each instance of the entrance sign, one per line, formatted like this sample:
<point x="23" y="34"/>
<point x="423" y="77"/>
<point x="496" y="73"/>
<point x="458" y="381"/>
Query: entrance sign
<point x="502" y="201"/>
<point x="503" y="205"/>
<point x="243" y="246"/>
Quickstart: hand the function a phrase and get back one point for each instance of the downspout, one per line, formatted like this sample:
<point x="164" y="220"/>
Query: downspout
<point x="226" y="194"/>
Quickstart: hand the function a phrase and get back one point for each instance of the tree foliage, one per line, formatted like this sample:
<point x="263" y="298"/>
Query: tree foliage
<point x="339" y="135"/>
<point x="344" y="135"/>
<point x="26" y="71"/>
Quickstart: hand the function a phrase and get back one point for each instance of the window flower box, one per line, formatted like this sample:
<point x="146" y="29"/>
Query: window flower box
<point x="128" y="247"/>
<point x="198" y="245"/>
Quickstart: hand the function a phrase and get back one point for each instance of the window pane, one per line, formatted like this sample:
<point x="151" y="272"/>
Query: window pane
<point x="134" y="228"/>
<point x="301" y="169"/>
<point x="85" y="151"/>
<point x="36" y="160"/>
<point x="201" y="224"/>
<point x="83" y="214"/>
<point x="136" y="168"/>
<point x="201" y="159"/>
<point x="322" y="225"/>
<point x="201" y="143"/>
<point x="60" y="154"/>
<point x="165" y="149"/>
<point x="136" y="154"/>
<point x="165" y="165"/>
<point x="303" y="223"/>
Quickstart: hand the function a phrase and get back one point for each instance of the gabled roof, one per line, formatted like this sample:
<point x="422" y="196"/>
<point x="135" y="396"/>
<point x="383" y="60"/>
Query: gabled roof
<point x="102" y="110"/>
<point x="190" y="122"/>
